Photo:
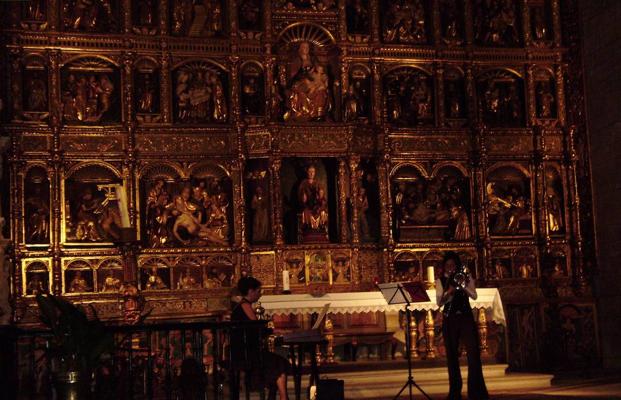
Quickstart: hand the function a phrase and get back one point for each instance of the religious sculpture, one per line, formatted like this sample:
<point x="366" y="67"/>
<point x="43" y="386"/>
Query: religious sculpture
<point x="454" y="99"/>
<point x="313" y="208"/>
<point x="409" y="97"/>
<point x="451" y="21"/>
<point x="340" y="271"/>
<point x="37" y="213"/>
<point x="145" y="16"/>
<point x="434" y="208"/>
<point x="249" y="15"/>
<point x="187" y="216"/>
<point x="508" y="208"/>
<point x="404" y="22"/>
<point x="35" y="10"/>
<point x="89" y="15"/>
<point x="111" y="283"/>
<point x="539" y="25"/>
<point x="146" y="93"/>
<point x="216" y="278"/>
<point x="154" y="280"/>
<point x="358" y="21"/>
<point x="363" y="204"/>
<point x="197" y="18"/>
<point x="309" y="94"/>
<point x="501" y="103"/>
<point x="87" y="97"/>
<point x="496" y="23"/>
<point x="37" y="283"/>
<point x="554" y="202"/>
<point x="525" y="271"/>
<point x="187" y="281"/>
<point x="93" y="217"/>
<point x="545" y="100"/>
<point x="252" y="93"/>
<point x="199" y="95"/>
<point x="36" y="92"/>
<point x="79" y="284"/>
<point x="260" y="216"/>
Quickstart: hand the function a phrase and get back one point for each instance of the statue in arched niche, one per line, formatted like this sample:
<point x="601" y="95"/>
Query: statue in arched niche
<point x="309" y="95"/>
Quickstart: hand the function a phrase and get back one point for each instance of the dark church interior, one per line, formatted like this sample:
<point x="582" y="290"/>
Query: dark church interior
<point x="310" y="199"/>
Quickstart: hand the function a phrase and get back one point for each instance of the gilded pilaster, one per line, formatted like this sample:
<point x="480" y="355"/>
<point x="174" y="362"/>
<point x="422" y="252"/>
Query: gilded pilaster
<point x="275" y="165"/>
<point x="560" y="94"/>
<point x="375" y="22"/>
<point x="342" y="16"/>
<point x="165" y="95"/>
<point x="439" y="98"/>
<point x="468" y="22"/>
<point x="342" y="201"/>
<point x="355" y="182"/>
<point x="526" y="23"/>
<point x="556" y="22"/>
<point x="163" y="17"/>
<point x="530" y="96"/>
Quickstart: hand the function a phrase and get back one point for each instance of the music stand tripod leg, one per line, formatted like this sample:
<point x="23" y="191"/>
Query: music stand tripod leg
<point x="408" y="338"/>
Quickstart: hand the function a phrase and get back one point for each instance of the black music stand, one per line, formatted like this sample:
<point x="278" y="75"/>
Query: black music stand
<point x="406" y="293"/>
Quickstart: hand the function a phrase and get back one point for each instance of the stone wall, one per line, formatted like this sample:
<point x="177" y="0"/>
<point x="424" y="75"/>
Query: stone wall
<point x="602" y="59"/>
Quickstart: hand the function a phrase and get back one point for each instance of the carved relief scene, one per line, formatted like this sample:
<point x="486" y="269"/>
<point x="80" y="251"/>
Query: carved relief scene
<point x="95" y="206"/>
<point x="409" y="96"/>
<point x="406" y="21"/>
<point x="508" y="196"/>
<point x="195" y="211"/>
<point x="90" y="90"/>
<point x="145" y="16"/>
<point x="358" y="17"/>
<point x="200" y="94"/>
<point x="497" y="23"/>
<point x="430" y="207"/>
<point x="90" y="15"/>
<point x="501" y="98"/>
<point x="197" y="18"/>
<point x="37" y="278"/>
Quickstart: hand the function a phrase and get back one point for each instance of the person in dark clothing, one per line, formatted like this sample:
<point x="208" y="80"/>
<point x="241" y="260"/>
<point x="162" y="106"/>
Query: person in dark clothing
<point x="274" y="368"/>
<point x="459" y="325"/>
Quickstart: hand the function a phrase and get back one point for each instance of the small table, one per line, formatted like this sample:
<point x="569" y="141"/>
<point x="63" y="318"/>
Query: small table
<point x="303" y="346"/>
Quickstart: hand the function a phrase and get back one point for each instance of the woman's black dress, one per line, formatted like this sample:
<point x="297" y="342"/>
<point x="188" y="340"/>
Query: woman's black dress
<point x="265" y="366"/>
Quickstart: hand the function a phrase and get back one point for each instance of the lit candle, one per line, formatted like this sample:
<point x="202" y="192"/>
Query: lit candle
<point x="285" y="280"/>
<point x="430" y="274"/>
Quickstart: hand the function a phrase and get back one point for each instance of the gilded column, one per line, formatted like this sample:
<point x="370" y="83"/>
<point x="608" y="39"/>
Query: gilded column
<point x="276" y="199"/>
<point x="267" y="20"/>
<point x="237" y="167"/>
<point x="271" y="87"/>
<point x="436" y="23"/>
<point x="482" y="325"/>
<point x="344" y="231"/>
<point x="468" y="22"/>
<point x="233" y="13"/>
<point x="560" y="94"/>
<point x="16" y="84"/>
<point x="526" y="23"/>
<point x="556" y="22"/>
<point x="530" y="95"/>
<point x="127" y="79"/>
<point x="439" y="95"/>
<point x="375" y="22"/>
<point x="471" y="102"/>
<point x="342" y="20"/>
<point x="383" y="171"/>
<point x="163" y="17"/>
<point x="126" y="12"/>
<point x="430" y="335"/>
<point x="377" y="105"/>
<point x="539" y="176"/>
<point x="571" y="159"/>
<point x="165" y="95"/>
<point x="354" y="183"/>
<point x="52" y="15"/>
<point x="478" y="162"/>
<point x="234" y="88"/>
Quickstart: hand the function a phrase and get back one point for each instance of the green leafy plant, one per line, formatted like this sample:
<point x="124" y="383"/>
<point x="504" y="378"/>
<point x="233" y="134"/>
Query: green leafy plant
<point x="78" y="342"/>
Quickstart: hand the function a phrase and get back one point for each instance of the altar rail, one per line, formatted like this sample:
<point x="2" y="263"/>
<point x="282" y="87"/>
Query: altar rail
<point x="146" y="362"/>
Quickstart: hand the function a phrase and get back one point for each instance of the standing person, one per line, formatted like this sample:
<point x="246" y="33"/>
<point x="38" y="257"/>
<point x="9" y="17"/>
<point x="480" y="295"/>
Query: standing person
<point x="458" y="324"/>
<point x="274" y="367"/>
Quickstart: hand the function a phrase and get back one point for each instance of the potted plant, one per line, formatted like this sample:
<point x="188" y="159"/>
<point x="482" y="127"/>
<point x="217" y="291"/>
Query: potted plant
<point x="78" y="345"/>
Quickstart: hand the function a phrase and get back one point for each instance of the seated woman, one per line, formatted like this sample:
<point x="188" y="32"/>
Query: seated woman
<point x="274" y="368"/>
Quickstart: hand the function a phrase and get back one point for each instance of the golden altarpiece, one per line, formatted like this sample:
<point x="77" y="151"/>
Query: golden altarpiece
<point x="347" y="142"/>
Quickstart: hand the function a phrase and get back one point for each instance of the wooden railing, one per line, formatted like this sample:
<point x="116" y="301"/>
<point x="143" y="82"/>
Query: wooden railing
<point x="150" y="361"/>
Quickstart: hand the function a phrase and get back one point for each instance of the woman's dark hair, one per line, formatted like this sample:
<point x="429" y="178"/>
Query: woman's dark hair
<point x="247" y="283"/>
<point x="451" y="255"/>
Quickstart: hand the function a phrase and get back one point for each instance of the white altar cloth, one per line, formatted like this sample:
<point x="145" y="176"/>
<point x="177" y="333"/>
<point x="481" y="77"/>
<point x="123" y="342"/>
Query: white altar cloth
<point x="351" y="302"/>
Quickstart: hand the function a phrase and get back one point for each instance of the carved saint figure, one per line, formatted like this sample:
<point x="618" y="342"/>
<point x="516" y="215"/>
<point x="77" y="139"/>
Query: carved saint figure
<point x="363" y="203"/>
<point x="352" y="105"/>
<point x="555" y="210"/>
<point x="145" y="11"/>
<point x="539" y="24"/>
<point x="545" y="100"/>
<point x="252" y="95"/>
<point x="37" y="214"/>
<point x="357" y="16"/>
<point x="260" y="217"/>
<point x="496" y="22"/>
<point x="525" y="270"/>
<point x="249" y="14"/>
<point x="79" y="284"/>
<point x="111" y="283"/>
<point x="154" y="281"/>
<point x="36" y="94"/>
<point x="313" y="204"/>
<point x="158" y="215"/>
<point x="187" y="281"/>
<point x="146" y="95"/>
<point x="36" y="284"/>
<point x="340" y="272"/>
<point x="35" y="10"/>
<point x="309" y="97"/>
